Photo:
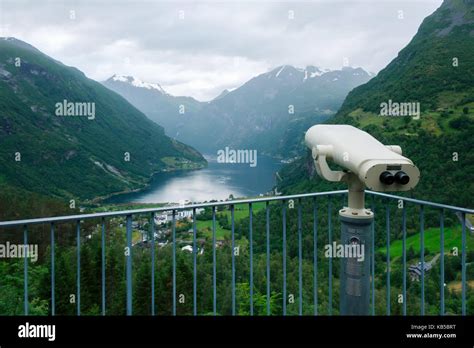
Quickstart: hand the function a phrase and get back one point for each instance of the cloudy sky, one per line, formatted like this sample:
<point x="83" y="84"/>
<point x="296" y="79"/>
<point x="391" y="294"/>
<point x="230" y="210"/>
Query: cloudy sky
<point x="199" y="48"/>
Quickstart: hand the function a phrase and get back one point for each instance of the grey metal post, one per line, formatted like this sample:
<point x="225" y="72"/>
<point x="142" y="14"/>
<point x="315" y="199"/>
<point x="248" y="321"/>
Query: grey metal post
<point x="356" y="239"/>
<point x="355" y="271"/>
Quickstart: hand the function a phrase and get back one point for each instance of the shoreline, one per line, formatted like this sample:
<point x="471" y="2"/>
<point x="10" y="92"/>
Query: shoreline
<point x="209" y="159"/>
<point x="101" y="199"/>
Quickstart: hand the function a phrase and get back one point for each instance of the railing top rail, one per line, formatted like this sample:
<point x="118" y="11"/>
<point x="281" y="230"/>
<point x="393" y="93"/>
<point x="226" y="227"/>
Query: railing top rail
<point x="421" y="202"/>
<point x="55" y="219"/>
<point x="161" y="209"/>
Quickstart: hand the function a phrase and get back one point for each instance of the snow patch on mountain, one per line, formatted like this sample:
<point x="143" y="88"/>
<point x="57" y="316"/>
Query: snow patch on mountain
<point x="316" y="73"/>
<point x="279" y="71"/>
<point x="138" y="83"/>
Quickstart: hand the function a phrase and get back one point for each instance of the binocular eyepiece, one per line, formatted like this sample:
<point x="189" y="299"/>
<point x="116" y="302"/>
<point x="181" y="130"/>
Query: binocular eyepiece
<point x="400" y="177"/>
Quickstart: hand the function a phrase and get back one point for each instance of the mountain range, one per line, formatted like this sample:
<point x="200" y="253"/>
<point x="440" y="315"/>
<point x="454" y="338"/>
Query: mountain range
<point x="58" y="128"/>
<point x="266" y="113"/>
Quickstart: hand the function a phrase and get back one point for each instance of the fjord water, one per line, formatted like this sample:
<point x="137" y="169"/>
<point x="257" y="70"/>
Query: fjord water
<point x="217" y="181"/>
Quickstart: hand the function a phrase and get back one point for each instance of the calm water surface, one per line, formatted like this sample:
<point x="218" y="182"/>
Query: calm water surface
<point x="217" y="181"/>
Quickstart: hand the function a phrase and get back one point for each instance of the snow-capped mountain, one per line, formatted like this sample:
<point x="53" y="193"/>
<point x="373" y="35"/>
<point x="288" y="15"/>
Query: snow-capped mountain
<point x="307" y="73"/>
<point x="153" y="101"/>
<point x="137" y="83"/>
<point x="265" y="113"/>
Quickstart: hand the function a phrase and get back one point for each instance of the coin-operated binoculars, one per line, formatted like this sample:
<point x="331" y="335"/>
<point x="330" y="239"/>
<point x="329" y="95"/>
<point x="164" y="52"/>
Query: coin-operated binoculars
<point x="366" y="163"/>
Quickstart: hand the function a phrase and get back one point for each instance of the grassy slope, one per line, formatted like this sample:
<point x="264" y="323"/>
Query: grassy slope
<point x="432" y="236"/>
<point x="241" y="212"/>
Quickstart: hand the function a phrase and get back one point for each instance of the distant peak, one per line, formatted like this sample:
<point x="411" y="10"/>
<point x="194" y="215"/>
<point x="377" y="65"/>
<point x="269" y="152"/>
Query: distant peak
<point x="18" y="43"/>
<point x="308" y="72"/>
<point x="137" y="83"/>
<point x="280" y="69"/>
<point x="122" y="78"/>
<point x="222" y="94"/>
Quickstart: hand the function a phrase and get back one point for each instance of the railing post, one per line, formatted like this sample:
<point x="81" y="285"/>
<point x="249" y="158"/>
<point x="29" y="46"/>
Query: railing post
<point x="315" y="256"/>
<point x="103" y="265"/>
<point x="78" y="268"/>
<point x="214" y="277"/>
<point x="330" y="258"/>
<point x="463" y="265"/>
<point x="284" y="256"/>
<point x="387" y="222"/>
<point x="25" y="269"/>
<point x="152" y="236"/>
<point x="404" y="250"/>
<point x="372" y="257"/>
<point x="267" y="217"/>
<point x="251" y="256"/>
<point x="129" y="265"/>
<point x="233" y="256"/>
<point x="174" y="259"/>
<point x="441" y="261"/>
<point x="195" y="251"/>
<point x="300" y="261"/>
<point x="53" y="300"/>
<point x="422" y="256"/>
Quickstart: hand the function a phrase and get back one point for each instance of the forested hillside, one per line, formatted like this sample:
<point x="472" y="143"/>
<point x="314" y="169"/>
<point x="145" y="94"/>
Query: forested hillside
<point x="66" y="152"/>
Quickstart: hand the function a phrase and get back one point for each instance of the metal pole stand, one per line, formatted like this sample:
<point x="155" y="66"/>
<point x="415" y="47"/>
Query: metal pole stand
<point x="356" y="222"/>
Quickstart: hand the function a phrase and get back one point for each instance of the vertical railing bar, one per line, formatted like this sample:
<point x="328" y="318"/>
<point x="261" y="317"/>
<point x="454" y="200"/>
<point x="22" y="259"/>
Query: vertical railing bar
<point x="284" y="255"/>
<point x="300" y="261"/>
<point x="422" y="256"/>
<point x="174" y="259"/>
<point x="315" y="256"/>
<point x="152" y="232"/>
<point x="404" y="249"/>
<point x="233" y="256"/>
<point x="129" y="265"/>
<point x="194" y="264"/>
<point x="25" y="269"/>
<point x="268" y="256"/>
<point x="78" y="268"/>
<point x="387" y="221"/>
<point x="441" y="261"/>
<point x="372" y="257"/>
<point x="214" y="273"/>
<point x="330" y="258"/>
<point x="103" y="265"/>
<point x="251" y="256"/>
<point x="463" y="264"/>
<point x="53" y="300"/>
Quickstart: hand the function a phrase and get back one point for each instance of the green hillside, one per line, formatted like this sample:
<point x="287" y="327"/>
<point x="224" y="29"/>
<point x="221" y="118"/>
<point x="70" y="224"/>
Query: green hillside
<point x="118" y="149"/>
<point x="435" y="69"/>
<point x="424" y="72"/>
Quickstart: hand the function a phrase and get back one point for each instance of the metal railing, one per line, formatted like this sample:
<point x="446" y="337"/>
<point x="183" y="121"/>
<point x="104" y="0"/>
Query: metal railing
<point x="128" y="214"/>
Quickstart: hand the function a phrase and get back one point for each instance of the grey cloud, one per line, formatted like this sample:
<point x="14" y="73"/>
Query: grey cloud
<point x="217" y="45"/>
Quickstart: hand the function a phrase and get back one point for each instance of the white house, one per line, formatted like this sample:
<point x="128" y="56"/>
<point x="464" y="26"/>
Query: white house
<point x="188" y="248"/>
